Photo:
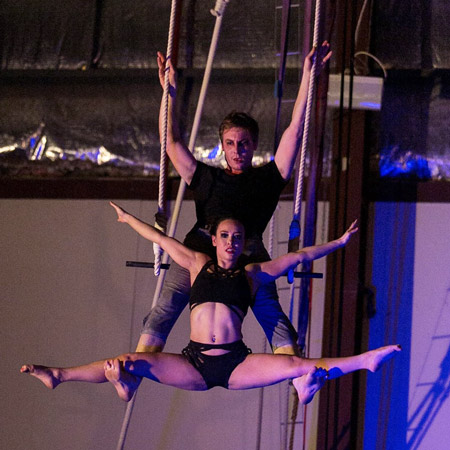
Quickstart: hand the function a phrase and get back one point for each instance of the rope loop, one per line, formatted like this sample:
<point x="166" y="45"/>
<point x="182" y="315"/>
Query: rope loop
<point x="157" y="250"/>
<point x="219" y="9"/>
<point x="294" y="229"/>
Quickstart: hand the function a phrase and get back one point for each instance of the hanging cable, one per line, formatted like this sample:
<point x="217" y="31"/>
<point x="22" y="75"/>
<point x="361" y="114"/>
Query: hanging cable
<point x="285" y="14"/>
<point x="264" y="344"/>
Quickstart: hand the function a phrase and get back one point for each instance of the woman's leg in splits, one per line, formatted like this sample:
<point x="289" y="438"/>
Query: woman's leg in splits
<point x="259" y="370"/>
<point x="124" y="372"/>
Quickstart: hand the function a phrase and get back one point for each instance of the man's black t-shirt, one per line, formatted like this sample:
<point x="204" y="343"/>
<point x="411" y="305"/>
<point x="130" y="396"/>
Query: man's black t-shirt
<point x="251" y="197"/>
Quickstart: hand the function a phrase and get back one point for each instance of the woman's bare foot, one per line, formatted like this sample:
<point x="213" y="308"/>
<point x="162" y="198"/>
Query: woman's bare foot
<point x="376" y="358"/>
<point x="125" y="383"/>
<point x="49" y="376"/>
<point x="308" y="385"/>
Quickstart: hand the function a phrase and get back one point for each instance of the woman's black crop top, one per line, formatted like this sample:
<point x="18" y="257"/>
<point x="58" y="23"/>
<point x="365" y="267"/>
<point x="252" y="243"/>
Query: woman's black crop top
<point x="218" y="285"/>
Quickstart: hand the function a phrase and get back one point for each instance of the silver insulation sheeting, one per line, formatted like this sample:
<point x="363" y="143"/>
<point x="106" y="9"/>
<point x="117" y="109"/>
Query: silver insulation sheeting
<point x="75" y="127"/>
<point x="81" y="90"/>
<point x="413" y="134"/>
<point x="79" y="93"/>
<point x="110" y="127"/>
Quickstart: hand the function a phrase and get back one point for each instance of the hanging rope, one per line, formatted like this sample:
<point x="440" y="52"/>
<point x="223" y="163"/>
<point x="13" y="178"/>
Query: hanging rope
<point x="295" y="228"/>
<point x="163" y="159"/>
<point x="305" y="141"/>
<point x="218" y="12"/>
<point x="161" y="195"/>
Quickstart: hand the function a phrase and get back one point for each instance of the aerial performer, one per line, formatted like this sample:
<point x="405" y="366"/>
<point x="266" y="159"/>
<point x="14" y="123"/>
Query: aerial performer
<point x="222" y="290"/>
<point x="239" y="190"/>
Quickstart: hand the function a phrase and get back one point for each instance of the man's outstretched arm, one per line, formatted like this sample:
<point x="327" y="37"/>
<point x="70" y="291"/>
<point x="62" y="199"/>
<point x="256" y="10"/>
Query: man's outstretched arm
<point x="178" y="152"/>
<point x="290" y="142"/>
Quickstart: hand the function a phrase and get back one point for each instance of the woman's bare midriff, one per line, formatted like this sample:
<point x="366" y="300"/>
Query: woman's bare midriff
<point x="215" y="323"/>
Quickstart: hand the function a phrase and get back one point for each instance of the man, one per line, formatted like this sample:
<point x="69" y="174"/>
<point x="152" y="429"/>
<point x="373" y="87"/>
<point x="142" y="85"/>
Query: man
<point x="251" y="194"/>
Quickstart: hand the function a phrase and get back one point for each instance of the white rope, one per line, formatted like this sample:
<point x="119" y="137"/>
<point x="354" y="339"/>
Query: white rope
<point x="126" y="423"/>
<point x="272" y="234"/>
<point x="312" y="85"/>
<point x="305" y="139"/>
<point x="294" y="231"/>
<point x="219" y="8"/>
<point x="163" y="159"/>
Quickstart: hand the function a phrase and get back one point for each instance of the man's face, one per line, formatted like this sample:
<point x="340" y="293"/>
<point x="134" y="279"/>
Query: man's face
<point x="238" y="145"/>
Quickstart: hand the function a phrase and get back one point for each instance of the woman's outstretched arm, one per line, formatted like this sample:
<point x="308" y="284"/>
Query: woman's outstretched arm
<point x="271" y="270"/>
<point x="181" y="254"/>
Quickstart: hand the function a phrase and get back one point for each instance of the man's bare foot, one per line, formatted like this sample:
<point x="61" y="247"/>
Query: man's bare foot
<point x="49" y="376"/>
<point x="125" y="383"/>
<point x="376" y="358"/>
<point x="308" y="385"/>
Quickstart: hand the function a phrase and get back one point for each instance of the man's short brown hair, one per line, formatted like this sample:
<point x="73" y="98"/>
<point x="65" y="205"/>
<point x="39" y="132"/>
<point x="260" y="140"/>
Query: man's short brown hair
<point x="238" y="119"/>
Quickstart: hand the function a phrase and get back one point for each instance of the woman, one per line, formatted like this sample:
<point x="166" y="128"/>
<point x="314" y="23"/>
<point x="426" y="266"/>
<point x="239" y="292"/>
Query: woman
<point x="221" y="293"/>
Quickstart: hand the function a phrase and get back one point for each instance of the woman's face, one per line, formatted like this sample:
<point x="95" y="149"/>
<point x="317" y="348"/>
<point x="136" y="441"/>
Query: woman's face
<point x="229" y="240"/>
